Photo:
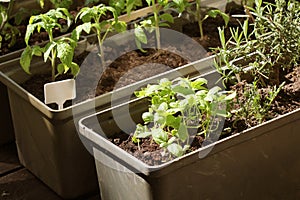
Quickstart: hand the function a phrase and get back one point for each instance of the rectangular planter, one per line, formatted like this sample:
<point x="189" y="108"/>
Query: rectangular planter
<point x="47" y="140"/>
<point x="259" y="163"/>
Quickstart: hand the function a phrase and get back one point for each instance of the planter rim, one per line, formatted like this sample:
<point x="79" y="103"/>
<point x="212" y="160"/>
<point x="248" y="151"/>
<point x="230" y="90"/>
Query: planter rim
<point x="13" y="66"/>
<point x="218" y="146"/>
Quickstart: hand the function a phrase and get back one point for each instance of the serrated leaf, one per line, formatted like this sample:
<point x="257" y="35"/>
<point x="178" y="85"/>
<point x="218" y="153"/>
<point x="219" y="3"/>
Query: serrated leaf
<point x="30" y="29"/>
<point x="25" y="59"/>
<point x="65" y="52"/>
<point x="47" y="50"/>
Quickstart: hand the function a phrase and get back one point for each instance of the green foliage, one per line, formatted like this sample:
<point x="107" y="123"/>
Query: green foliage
<point x="256" y="102"/>
<point x="62" y="48"/>
<point x="177" y="107"/>
<point x="274" y="41"/>
<point x="92" y="21"/>
<point x="157" y="20"/>
<point x="8" y="32"/>
<point x="125" y="6"/>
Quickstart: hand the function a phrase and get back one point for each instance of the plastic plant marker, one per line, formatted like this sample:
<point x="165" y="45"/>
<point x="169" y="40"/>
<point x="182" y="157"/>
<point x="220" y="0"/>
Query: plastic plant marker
<point x="59" y="92"/>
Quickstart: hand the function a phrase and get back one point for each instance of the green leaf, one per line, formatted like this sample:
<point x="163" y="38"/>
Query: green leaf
<point x="30" y="29"/>
<point x="25" y="59"/>
<point x="198" y="84"/>
<point x="183" y="132"/>
<point x="159" y="135"/>
<point x="60" y="68"/>
<point x="147" y="117"/>
<point x="78" y="30"/>
<point x="141" y="131"/>
<point x="37" y="51"/>
<point x="173" y="121"/>
<point x="74" y="69"/>
<point x="65" y="52"/>
<point x="183" y="90"/>
<point x="175" y="149"/>
<point x="230" y="96"/>
<point x="214" y="13"/>
<point x="159" y="119"/>
<point x="167" y="17"/>
<point x="140" y="35"/>
<point x="149" y="2"/>
<point x="211" y="93"/>
<point x="47" y="50"/>
<point x="119" y="26"/>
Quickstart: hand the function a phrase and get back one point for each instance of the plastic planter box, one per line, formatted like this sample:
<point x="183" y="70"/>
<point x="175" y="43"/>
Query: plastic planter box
<point x="47" y="140"/>
<point x="259" y="163"/>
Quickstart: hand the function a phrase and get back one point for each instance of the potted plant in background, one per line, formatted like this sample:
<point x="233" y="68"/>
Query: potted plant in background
<point x="259" y="137"/>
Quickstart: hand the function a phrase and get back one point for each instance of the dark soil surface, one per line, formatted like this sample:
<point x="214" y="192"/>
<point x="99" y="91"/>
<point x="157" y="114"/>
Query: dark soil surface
<point x="112" y="76"/>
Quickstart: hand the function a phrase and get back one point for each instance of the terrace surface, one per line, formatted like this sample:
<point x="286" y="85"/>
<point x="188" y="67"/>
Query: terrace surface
<point x="17" y="183"/>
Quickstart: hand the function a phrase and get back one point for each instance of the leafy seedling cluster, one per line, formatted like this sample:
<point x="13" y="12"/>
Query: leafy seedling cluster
<point x="179" y="110"/>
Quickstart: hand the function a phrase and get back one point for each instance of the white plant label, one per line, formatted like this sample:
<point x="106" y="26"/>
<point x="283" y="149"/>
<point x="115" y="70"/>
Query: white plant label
<point x="59" y="92"/>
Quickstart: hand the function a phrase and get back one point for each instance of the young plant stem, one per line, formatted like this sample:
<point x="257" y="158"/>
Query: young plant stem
<point x="157" y="33"/>
<point x="53" y="56"/>
<point x="101" y="51"/>
<point x="198" y="16"/>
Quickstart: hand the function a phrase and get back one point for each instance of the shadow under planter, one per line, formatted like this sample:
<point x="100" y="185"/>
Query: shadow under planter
<point x="7" y="132"/>
<point x="259" y="163"/>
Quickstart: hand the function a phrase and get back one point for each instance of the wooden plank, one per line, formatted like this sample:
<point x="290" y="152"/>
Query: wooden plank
<point x="8" y="159"/>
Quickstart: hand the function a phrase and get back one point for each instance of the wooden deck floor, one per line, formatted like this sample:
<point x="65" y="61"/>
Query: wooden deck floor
<point x="17" y="183"/>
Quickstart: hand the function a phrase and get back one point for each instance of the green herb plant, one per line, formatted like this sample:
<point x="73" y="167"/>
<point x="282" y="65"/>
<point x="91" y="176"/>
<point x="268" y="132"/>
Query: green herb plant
<point x="62" y="48"/>
<point x="92" y="21"/>
<point x="274" y="42"/>
<point x="177" y="107"/>
<point x="257" y="57"/>
<point x="8" y="32"/>
<point x="255" y="104"/>
<point x="153" y="23"/>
